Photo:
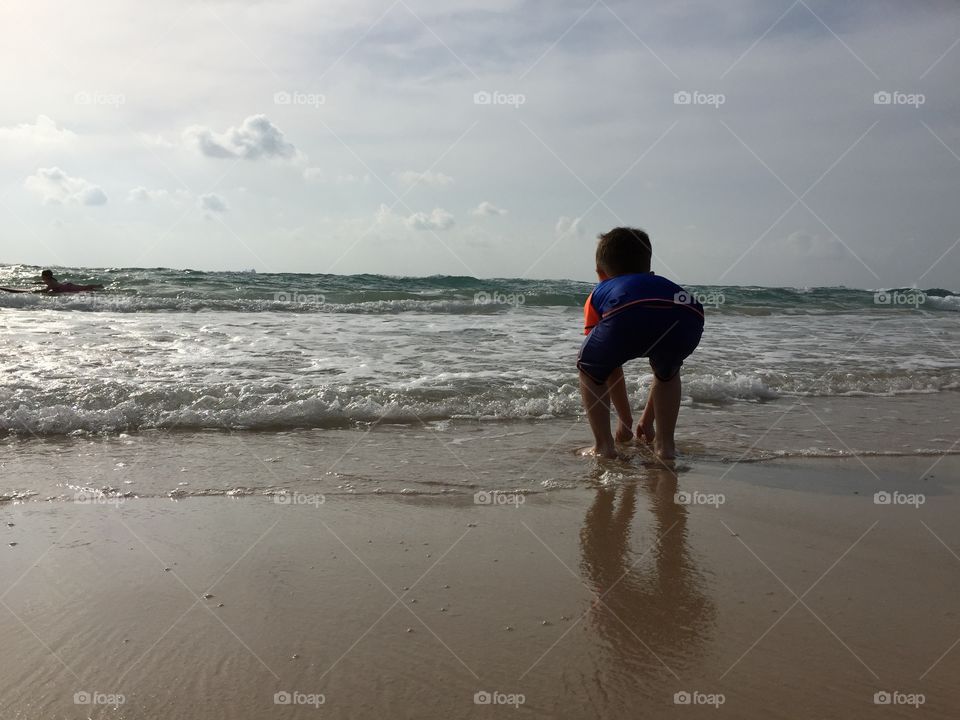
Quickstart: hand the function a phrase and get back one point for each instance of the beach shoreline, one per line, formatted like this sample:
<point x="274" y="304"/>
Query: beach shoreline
<point x="767" y="586"/>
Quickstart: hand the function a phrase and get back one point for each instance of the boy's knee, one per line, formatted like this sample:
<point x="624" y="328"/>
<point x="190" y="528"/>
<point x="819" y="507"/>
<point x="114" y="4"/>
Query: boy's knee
<point x="589" y="377"/>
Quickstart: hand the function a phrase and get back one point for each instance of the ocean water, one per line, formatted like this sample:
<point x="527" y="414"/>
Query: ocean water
<point x="185" y="349"/>
<point x="188" y="351"/>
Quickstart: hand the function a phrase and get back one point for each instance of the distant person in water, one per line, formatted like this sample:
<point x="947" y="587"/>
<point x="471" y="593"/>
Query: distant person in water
<point x="54" y="286"/>
<point x="633" y="313"/>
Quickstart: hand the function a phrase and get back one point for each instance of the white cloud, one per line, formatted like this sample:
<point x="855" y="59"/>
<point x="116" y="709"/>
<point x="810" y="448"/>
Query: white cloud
<point x="813" y="245"/>
<point x="256" y="138"/>
<point x="428" y="177"/>
<point x="211" y="202"/>
<point x="487" y="209"/>
<point x="568" y="227"/>
<point x="313" y="173"/>
<point x="55" y="186"/>
<point x="438" y="219"/>
<point x="43" y="132"/>
<point x="385" y="215"/>
<point x="142" y="194"/>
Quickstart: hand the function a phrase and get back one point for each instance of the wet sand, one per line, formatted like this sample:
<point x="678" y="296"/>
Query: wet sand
<point x="772" y="590"/>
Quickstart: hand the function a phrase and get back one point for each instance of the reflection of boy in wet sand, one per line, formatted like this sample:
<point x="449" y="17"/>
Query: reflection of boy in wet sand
<point x="649" y="598"/>
<point x="631" y="314"/>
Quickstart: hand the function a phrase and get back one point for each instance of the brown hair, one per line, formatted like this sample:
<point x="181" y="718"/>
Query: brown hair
<point x="624" y="250"/>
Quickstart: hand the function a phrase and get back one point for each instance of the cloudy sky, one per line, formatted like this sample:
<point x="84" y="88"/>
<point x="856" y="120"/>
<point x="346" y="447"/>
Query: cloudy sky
<point x="758" y="141"/>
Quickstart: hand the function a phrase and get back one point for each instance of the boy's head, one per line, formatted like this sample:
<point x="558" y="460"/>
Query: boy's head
<point x="622" y="251"/>
<point x="47" y="277"/>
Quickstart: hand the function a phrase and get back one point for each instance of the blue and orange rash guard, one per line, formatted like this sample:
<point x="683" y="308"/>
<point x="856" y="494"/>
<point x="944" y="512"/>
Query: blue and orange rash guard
<point x="614" y="294"/>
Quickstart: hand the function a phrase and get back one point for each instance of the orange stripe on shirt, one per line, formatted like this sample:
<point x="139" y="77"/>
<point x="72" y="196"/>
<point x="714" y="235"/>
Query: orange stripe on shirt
<point x="590" y="315"/>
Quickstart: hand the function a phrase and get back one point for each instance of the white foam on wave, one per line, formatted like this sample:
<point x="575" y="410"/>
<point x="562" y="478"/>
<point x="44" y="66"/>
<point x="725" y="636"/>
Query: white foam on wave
<point x="727" y="386"/>
<point x="110" y="407"/>
<point x="948" y="302"/>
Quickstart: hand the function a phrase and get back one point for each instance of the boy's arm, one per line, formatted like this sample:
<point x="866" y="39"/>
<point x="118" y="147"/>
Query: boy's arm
<point x="618" y="397"/>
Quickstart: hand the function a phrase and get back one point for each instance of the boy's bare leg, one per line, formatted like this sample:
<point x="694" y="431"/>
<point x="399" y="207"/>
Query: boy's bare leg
<point x="596" y="403"/>
<point x="645" y="430"/>
<point x="666" y="406"/>
<point x="617" y="388"/>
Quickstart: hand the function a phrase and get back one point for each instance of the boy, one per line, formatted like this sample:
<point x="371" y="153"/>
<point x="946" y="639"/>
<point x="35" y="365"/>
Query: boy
<point x="633" y="313"/>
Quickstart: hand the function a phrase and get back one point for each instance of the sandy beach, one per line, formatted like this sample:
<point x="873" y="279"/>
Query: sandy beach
<point x="772" y="589"/>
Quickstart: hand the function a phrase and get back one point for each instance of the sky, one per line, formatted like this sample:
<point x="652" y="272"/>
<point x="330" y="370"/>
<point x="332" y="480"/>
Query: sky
<point x="759" y="142"/>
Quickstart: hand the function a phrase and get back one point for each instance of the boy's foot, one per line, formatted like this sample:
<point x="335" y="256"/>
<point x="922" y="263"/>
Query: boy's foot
<point x="645" y="432"/>
<point x="608" y="453"/>
<point x="665" y="451"/>
<point x="624" y="432"/>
